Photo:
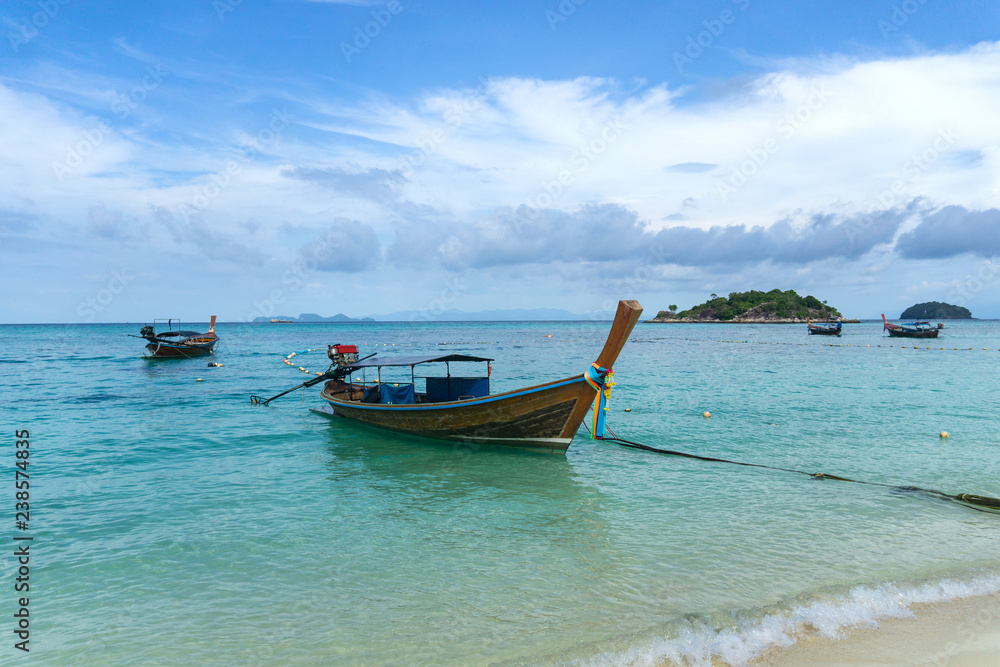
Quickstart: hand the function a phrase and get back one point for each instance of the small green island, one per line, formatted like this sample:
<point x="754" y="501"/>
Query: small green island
<point x="755" y="307"/>
<point x="936" y="310"/>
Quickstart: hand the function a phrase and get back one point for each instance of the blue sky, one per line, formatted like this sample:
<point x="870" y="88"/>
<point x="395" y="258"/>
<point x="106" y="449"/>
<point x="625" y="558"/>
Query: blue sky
<point x="255" y="158"/>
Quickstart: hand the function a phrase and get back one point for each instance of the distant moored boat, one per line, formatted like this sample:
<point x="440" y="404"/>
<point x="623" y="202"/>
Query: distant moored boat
<point x="911" y="330"/>
<point x="178" y="344"/>
<point x="824" y="330"/>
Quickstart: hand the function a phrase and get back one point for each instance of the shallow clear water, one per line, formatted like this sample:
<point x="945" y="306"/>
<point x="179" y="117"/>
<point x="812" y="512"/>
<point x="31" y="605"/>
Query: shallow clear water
<point x="175" y="523"/>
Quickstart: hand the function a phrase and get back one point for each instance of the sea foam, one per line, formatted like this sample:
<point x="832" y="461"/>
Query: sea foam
<point x="861" y="607"/>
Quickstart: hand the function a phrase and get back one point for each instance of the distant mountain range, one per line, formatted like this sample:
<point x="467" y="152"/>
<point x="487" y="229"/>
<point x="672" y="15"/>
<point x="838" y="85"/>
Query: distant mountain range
<point x="508" y="315"/>
<point x="313" y="317"/>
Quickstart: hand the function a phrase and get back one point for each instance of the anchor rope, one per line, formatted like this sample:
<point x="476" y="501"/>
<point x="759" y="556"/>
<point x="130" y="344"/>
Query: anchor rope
<point x="970" y="500"/>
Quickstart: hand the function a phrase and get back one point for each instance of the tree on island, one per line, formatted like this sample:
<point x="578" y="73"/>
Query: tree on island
<point x="936" y="310"/>
<point x="673" y="308"/>
<point x="756" y="304"/>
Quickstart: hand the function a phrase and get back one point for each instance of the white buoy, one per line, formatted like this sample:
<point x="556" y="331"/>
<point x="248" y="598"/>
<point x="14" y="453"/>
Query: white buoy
<point x="945" y="434"/>
<point x="706" y="414"/>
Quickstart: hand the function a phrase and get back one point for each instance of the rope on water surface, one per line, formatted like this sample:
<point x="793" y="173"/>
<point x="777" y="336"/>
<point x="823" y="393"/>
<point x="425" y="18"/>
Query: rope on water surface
<point x="973" y="501"/>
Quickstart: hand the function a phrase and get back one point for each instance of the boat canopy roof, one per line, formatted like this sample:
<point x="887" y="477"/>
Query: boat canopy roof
<point x="413" y="361"/>
<point x="185" y="334"/>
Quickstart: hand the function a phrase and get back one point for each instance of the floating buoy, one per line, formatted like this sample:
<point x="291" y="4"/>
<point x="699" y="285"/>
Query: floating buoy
<point x="548" y="335"/>
<point x="197" y="379"/>
<point x="945" y="434"/>
<point x="706" y="414"/>
<point x="628" y="409"/>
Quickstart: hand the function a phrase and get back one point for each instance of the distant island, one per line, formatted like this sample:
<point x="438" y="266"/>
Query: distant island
<point x="754" y="307"/>
<point x="504" y="315"/>
<point x="450" y="315"/>
<point x="310" y="317"/>
<point x="936" y="310"/>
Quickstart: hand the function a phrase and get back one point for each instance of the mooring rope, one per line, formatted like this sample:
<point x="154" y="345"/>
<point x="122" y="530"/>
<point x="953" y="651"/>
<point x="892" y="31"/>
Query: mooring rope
<point x="972" y="501"/>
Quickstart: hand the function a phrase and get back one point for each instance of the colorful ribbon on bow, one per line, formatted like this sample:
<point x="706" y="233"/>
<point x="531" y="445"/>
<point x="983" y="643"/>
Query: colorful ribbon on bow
<point x="599" y="378"/>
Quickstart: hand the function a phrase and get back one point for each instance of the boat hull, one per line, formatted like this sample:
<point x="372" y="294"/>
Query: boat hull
<point x="910" y="331"/>
<point x="179" y="351"/>
<point x="900" y="333"/>
<point x="543" y="417"/>
<point x="824" y="332"/>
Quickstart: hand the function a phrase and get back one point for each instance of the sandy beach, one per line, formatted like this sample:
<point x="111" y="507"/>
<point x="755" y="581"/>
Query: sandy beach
<point x="960" y="633"/>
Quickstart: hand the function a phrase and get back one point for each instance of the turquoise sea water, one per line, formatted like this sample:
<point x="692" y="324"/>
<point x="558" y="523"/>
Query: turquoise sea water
<point x="175" y="523"/>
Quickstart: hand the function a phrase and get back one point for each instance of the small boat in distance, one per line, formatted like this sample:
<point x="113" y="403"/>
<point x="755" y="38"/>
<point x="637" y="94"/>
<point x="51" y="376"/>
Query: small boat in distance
<point x="178" y="344"/>
<point x="911" y="330"/>
<point x="824" y="330"/>
<point x="541" y="417"/>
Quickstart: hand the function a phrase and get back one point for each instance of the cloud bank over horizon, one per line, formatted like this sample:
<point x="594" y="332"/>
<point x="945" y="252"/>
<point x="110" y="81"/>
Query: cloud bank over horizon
<point x="855" y="177"/>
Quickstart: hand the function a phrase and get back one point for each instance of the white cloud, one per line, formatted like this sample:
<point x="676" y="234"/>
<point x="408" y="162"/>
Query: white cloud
<point x="457" y="156"/>
<point x="858" y="127"/>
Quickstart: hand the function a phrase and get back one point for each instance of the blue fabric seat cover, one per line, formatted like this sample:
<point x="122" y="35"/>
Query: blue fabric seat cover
<point x="451" y="388"/>
<point x="401" y="395"/>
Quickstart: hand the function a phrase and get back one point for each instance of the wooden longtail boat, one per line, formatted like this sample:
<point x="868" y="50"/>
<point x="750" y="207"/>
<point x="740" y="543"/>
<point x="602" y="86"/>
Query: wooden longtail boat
<point x="543" y="417"/>
<point x="912" y="330"/>
<point x="179" y="344"/>
<point x="824" y="330"/>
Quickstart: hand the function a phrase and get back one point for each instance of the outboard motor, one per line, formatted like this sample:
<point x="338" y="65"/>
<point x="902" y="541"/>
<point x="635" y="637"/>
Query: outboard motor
<point x="342" y="355"/>
<point x="147" y="332"/>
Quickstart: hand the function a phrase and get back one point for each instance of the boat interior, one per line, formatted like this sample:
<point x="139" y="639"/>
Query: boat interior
<point x="396" y="381"/>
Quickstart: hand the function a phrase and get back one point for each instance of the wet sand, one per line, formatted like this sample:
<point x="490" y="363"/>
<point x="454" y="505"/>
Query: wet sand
<point x="960" y="633"/>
